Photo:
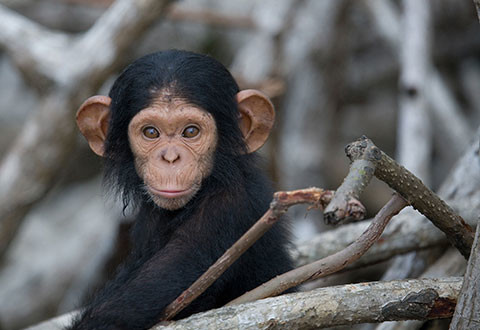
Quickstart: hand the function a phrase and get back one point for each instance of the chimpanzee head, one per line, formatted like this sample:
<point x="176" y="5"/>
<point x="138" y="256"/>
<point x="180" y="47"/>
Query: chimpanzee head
<point x="169" y="119"/>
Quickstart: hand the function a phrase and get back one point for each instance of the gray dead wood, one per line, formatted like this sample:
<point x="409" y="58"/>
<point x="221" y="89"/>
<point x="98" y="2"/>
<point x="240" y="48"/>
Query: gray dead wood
<point x="460" y="190"/>
<point x="331" y="264"/>
<point x="467" y="312"/>
<point x="414" y="131"/>
<point x="445" y="109"/>
<point x="459" y="233"/>
<point x="325" y="307"/>
<point x="414" y="140"/>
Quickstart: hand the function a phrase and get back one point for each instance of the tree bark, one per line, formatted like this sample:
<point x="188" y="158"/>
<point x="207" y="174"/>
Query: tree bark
<point x="460" y="190"/>
<point x="326" y="307"/>
<point x="467" y="312"/>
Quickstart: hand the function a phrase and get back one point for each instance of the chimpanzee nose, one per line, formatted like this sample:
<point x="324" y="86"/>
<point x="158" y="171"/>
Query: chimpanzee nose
<point x="170" y="154"/>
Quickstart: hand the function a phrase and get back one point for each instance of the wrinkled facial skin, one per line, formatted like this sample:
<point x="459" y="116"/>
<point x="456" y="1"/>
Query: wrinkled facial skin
<point x="173" y="143"/>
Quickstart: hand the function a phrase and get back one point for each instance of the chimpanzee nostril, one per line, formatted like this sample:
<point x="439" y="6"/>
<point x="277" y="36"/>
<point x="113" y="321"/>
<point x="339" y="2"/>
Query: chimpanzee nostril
<point x="170" y="155"/>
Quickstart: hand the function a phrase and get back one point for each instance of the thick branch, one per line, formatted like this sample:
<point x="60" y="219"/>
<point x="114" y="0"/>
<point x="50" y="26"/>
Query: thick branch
<point x="467" y="312"/>
<point x="332" y="306"/>
<point x="460" y="190"/>
<point x="31" y="46"/>
<point x="326" y="307"/>
<point x="414" y="140"/>
<point x="65" y="60"/>
<point x="418" y="195"/>
<point x="330" y="264"/>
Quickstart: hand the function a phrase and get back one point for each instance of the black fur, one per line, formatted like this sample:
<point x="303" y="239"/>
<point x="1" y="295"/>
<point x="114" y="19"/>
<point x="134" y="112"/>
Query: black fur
<point x="171" y="249"/>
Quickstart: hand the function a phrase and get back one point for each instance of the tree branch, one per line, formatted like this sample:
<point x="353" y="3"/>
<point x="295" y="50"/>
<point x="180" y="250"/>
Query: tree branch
<point x="325" y="307"/>
<point x="417" y="194"/>
<point x="447" y="112"/>
<point x="467" y="312"/>
<point x="330" y="264"/>
<point x="281" y="202"/>
<point x="333" y="306"/>
<point x="414" y="136"/>
<point x="54" y="58"/>
<point x="460" y="190"/>
<point x="358" y="177"/>
<point x="29" y="44"/>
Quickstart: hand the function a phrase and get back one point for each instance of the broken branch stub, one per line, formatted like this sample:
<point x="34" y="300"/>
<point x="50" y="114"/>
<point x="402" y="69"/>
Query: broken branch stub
<point x="359" y="175"/>
<point x="458" y="232"/>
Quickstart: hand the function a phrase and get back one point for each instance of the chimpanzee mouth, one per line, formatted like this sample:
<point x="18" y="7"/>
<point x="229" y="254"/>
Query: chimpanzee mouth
<point x="170" y="193"/>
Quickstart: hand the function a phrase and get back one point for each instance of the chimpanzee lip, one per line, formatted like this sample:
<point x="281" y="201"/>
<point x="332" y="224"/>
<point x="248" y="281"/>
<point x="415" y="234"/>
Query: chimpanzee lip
<point x="169" y="193"/>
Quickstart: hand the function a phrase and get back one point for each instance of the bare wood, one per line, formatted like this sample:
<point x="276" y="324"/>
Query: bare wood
<point x="414" y="136"/>
<point x="451" y="263"/>
<point x="446" y="110"/>
<point x="210" y="17"/>
<point x="414" y="132"/>
<point x="332" y="306"/>
<point x="358" y="177"/>
<point x="330" y="264"/>
<point x="326" y="307"/>
<point x="459" y="233"/>
<point x="30" y="45"/>
<point x="281" y="201"/>
<point x="460" y="190"/>
<point x="399" y="237"/>
<point x="477" y="5"/>
<point x="37" y="51"/>
<point x="56" y="323"/>
<point x="467" y="312"/>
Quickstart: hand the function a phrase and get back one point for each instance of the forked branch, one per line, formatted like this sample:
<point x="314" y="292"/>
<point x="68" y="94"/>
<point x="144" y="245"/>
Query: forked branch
<point x="368" y="159"/>
<point x="458" y="232"/>
<point x="330" y="264"/>
<point x="282" y="200"/>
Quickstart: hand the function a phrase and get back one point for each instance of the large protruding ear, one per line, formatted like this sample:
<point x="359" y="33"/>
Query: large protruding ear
<point x="257" y="116"/>
<point x="92" y="120"/>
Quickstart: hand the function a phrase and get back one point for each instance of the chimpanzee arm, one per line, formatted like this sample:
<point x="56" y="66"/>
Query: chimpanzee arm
<point x="138" y="302"/>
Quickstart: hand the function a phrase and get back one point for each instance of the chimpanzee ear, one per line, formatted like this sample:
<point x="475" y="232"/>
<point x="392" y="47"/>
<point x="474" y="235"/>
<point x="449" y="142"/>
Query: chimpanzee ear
<point x="92" y="120"/>
<point x="257" y="116"/>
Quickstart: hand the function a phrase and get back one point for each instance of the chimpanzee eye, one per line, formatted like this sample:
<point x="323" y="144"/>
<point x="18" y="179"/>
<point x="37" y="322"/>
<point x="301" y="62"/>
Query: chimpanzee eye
<point x="190" y="132"/>
<point x="150" y="132"/>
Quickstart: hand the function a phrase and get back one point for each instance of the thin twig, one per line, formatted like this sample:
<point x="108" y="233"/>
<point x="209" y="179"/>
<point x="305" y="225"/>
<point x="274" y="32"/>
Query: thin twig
<point x="330" y="264"/>
<point x="281" y="201"/>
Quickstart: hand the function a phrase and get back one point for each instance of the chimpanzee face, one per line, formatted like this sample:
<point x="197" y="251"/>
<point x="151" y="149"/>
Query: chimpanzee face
<point x="173" y="143"/>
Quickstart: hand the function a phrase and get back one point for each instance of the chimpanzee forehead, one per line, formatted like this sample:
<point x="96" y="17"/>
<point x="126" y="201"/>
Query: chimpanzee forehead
<point x="173" y="113"/>
<point x="169" y="103"/>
